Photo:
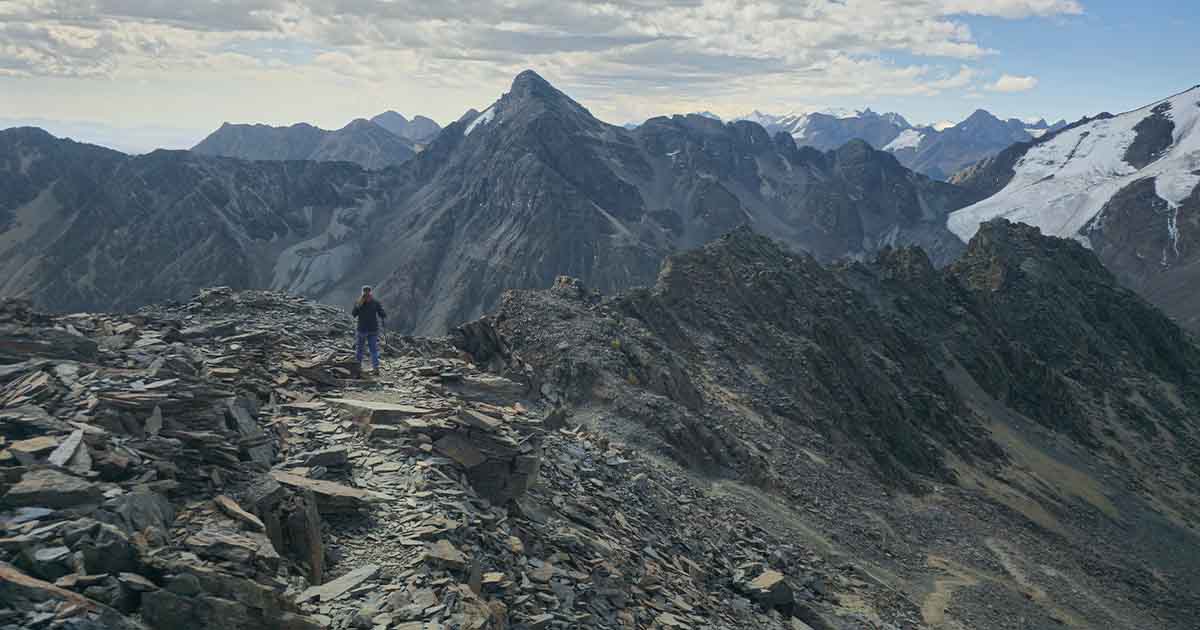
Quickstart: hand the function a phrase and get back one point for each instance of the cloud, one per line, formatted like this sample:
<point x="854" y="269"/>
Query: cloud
<point x="721" y="51"/>
<point x="1011" y="83"/>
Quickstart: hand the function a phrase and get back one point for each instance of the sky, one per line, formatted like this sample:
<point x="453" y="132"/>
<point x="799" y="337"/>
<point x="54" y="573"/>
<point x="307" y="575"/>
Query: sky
<point x="140" y="74"/>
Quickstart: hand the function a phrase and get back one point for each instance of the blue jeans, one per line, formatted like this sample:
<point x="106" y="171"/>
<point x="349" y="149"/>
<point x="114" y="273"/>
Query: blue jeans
<point x="370" y="339"/>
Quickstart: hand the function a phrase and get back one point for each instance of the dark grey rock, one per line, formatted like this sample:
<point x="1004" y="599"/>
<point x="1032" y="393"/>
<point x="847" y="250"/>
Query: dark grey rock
<point x="51" y="489"/>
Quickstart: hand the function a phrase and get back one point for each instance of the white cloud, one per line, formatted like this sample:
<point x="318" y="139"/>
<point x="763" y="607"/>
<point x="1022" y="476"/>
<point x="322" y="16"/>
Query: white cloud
<point x="623" y="57"/>
<point x="1011" y="83"/>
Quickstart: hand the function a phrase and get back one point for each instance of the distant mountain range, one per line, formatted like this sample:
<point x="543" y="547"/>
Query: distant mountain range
<point x="535" y="186"/>
<point x="386" y="140"/>
<point x="532" y="187"/>
<point x="939" y="150"/>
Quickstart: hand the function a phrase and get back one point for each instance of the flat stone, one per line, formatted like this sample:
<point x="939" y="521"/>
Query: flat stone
<point x="305" y="406"/>
<point x="235" y="511"/>
<point x="770" y="589"/>
<point x="29" y="451"/>
<point x="66" y="450"/>
<point x="331" y="497"/>
<point x="52" y="489"/>
<point x="385" y="431"/>
<point x="372" y="412"/>
<point x="136" y="582"/>
<point x="335" y="588"/>
<point x="330" y="457"/>
<point x="447" y="555"/>
<point x="479" y="420"/>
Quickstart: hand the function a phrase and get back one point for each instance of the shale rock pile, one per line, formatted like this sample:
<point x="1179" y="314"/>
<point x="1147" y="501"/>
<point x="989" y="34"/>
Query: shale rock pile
<point x="222" y="464"/>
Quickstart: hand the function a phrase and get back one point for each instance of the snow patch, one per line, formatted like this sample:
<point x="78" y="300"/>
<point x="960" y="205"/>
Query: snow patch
<point x="482" y="119"/>
<point x="1060" y="185"/>
<point x="1036" y="133"/>
<point x="908" y="139"/>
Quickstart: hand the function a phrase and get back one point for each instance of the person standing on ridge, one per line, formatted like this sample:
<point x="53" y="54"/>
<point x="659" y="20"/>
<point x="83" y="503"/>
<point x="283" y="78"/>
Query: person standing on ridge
<point x="371" y="316"/>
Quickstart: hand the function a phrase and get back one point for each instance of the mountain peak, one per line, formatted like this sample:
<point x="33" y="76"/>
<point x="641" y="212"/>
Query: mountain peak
<point x="391" y="116"/>
<point x="530" y="82"/>
<point x="981" y="114"/>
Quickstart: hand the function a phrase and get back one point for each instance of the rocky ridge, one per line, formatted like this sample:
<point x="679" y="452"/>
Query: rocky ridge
<point x="937" y="152"/>
<point x="363" y="142"/>
<point x="220" y="463"/>
<point x="1019" y="398"/>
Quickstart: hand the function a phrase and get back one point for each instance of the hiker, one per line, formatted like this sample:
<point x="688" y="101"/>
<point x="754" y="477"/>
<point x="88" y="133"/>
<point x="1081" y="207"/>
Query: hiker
<point x="371" y="317"/>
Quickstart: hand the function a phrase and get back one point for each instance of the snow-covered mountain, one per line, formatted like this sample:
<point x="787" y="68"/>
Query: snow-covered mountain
<point x="938" y="150"/>
<point x="1127" y="185"/>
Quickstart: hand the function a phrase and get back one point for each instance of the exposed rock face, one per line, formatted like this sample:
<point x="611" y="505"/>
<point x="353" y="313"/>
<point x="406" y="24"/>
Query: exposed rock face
<point x="1018" y="367"/>
<point x="363" y="142"/>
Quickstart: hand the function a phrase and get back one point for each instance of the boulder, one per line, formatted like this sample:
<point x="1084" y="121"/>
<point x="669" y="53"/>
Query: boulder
<point x="243" y="549"/>
<point x="770" y="589"/>
<point x="143" y="509"/>
<point x="106" y="549"/>
<point x="52" y="489"/>
<point x="48" y="563"/>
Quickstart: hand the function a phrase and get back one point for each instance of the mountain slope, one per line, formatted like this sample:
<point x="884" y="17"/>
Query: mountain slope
<point x="951" y="434"/>
<point x="363" y="142"/>
<point x="85" y="228"/>
<point x="1125" y="184"/>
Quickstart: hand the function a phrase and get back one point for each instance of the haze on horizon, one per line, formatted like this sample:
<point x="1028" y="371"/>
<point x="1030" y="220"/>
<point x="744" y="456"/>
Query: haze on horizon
<point x="140" y="74"/>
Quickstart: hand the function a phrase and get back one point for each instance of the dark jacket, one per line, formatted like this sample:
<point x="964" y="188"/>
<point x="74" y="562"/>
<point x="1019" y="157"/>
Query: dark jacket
<point x="369" y="315"/>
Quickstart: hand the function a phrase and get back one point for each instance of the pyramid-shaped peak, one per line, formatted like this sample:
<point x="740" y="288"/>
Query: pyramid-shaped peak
<point x="530" y="82"/>
<point x="981" y="115"/>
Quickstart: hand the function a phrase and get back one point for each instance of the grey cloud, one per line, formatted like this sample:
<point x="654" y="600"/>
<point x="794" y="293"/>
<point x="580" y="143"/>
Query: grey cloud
<point x="699" y="45"/>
